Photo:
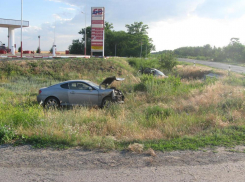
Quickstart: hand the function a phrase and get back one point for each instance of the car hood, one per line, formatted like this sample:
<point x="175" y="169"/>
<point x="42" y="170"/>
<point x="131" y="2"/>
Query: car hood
<point x="109" y="80"/>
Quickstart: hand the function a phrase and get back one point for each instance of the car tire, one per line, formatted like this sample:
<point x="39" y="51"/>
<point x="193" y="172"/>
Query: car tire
<point x="106" y="102"/>
<point x="52" y="103"/>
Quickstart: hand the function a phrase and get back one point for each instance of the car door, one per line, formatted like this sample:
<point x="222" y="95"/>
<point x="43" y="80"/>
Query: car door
<point x="81" y="93"/>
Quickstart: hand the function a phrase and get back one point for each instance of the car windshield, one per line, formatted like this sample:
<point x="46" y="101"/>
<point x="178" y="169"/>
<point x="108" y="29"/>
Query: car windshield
<point x="159" y="73"/>
<point x="94" y="85"/>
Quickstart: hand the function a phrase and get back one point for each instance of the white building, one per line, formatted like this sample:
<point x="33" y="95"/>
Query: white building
<point x="11" y="25"/>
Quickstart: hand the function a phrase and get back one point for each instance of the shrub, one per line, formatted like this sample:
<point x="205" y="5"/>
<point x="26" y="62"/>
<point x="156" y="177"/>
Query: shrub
<point x="168" y="61"/>
<point x="6" y="134"/>
<point x="143" y="63"/>
<point x="38" y="50"/>
<point x="140" y="87"/>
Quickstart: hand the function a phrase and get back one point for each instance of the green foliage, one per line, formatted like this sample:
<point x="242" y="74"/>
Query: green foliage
<point x="158" y="112"/>
<point x="118" y="43"/>
<point x="143" y="63"/>
<point x="234" y="52"/>
<point x="233" y="80"/>
<point x="158" y="87"/>
<point x="231" y="104"/>
<point x="140" y="87"/>
<point x="51" y="50"/>
<point x="205" y="51"/>
<point x="155" y="114"/>
<point x="38" y="50"/>
<point x="76" y="47"/>
<point x="168" y="61"/>
<point x="6" y="134"/>
<point x="22" y="117"/>
<point x="210" y="80"/>
<point x="164" y="106"/>
<point x="228" y="137"/>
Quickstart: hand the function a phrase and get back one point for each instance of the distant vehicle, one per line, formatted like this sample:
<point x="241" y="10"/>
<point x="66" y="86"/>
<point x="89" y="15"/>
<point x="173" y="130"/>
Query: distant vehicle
<point x="152" y="71"/>
<point x="3" y="49"/>
<point x="80" y="92"/>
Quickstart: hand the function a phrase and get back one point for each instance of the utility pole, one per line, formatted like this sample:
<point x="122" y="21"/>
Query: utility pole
<point x="85" y="36"/>
<point x="39" y="45"/>
<point x="21" y="27"/>
<point x="8" y="41"/>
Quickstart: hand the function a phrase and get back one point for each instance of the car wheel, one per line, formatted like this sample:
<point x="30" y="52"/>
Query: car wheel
<point x="106" y="102"/>
<point x="52" y="103"/>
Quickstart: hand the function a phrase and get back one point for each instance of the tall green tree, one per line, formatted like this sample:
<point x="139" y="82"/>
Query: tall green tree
<point x="76" y="47"/>
<point x="119" y="43"/>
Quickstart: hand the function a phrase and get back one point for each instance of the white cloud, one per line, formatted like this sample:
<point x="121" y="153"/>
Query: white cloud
<point x="172" y="24"/>
<point x="196" y="31"/>
<point x="68" y="9"/>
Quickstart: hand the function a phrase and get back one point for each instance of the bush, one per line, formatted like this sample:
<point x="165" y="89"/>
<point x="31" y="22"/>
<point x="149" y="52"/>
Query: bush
<point x="143" y="63"/>
<point x="168" y="61"/>
<point x="6" y="134"/>
<point x="76" y="47"/>
<point x="140" y="87"/>
<point x="38" y="50"/>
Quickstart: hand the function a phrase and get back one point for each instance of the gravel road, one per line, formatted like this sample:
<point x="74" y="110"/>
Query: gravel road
<point x="237" y="69"/>
<point x="23" y="163"/>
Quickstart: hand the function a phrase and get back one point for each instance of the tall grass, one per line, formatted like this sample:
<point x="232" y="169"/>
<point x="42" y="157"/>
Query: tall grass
<point x="154" y="109"/>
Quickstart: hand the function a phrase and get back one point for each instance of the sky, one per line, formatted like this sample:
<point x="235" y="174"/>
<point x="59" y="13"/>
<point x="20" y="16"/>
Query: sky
<point x="172" y="24"/>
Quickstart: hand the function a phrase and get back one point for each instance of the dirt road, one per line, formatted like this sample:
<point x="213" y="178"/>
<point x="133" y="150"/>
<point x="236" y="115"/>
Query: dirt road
<point x="24" y="163"/>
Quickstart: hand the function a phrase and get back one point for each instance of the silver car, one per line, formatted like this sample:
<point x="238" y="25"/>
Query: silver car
<point x="80" y="92"/>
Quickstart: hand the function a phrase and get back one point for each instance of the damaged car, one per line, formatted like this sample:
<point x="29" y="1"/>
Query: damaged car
<point x="80" y="92"/>
<point x="152" y="71"/>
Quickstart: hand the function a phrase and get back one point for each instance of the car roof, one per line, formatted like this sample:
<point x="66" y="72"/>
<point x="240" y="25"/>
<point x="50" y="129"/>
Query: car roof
<point x="68" y="81"/>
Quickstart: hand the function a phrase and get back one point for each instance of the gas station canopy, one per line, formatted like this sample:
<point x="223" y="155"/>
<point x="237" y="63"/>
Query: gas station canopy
<point x="11" y="25"/>
<point x="7" y="23"/>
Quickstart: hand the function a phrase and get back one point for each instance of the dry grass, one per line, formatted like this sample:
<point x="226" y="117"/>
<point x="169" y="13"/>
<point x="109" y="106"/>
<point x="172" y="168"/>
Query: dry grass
<point x="151" y="152"/>
<point x="136" y="148"/>
<point x="101" y="127"/>
<point x="192" y="72"/>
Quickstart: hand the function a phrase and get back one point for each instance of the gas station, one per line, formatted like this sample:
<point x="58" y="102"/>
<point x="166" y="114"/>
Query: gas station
<point x="12" y="25"/>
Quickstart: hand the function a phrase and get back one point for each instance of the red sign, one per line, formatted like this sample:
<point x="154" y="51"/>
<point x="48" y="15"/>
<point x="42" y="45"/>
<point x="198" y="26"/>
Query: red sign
<point x="97" y="32"/>
<point x="96" y="37"/>
<point x="97" y="29"/>
<point x="97" y="21"/>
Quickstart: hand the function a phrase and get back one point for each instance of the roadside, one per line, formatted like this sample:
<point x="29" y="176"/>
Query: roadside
<point x="23" y="163"/>
<point x="233" y="68"/>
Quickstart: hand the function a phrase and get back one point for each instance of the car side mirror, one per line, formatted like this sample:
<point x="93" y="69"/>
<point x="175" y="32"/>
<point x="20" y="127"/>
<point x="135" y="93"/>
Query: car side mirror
<point x="90" y="88"/>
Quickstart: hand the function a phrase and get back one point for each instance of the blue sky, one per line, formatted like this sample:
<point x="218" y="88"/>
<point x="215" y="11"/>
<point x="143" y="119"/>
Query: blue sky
<point x="173" y="24"/>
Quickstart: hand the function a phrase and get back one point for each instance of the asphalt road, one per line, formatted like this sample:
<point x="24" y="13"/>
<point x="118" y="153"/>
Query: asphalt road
<point x="24" y="163"/>
<point x="237" y="69"/>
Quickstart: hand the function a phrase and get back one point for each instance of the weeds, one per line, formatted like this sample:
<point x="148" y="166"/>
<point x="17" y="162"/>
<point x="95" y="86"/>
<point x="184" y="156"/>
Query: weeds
<point x="182" y="111"/>
<point x="6" y="134"/>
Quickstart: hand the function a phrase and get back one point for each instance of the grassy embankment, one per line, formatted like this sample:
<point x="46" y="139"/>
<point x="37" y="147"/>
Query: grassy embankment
<point x="180" y="112"/>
